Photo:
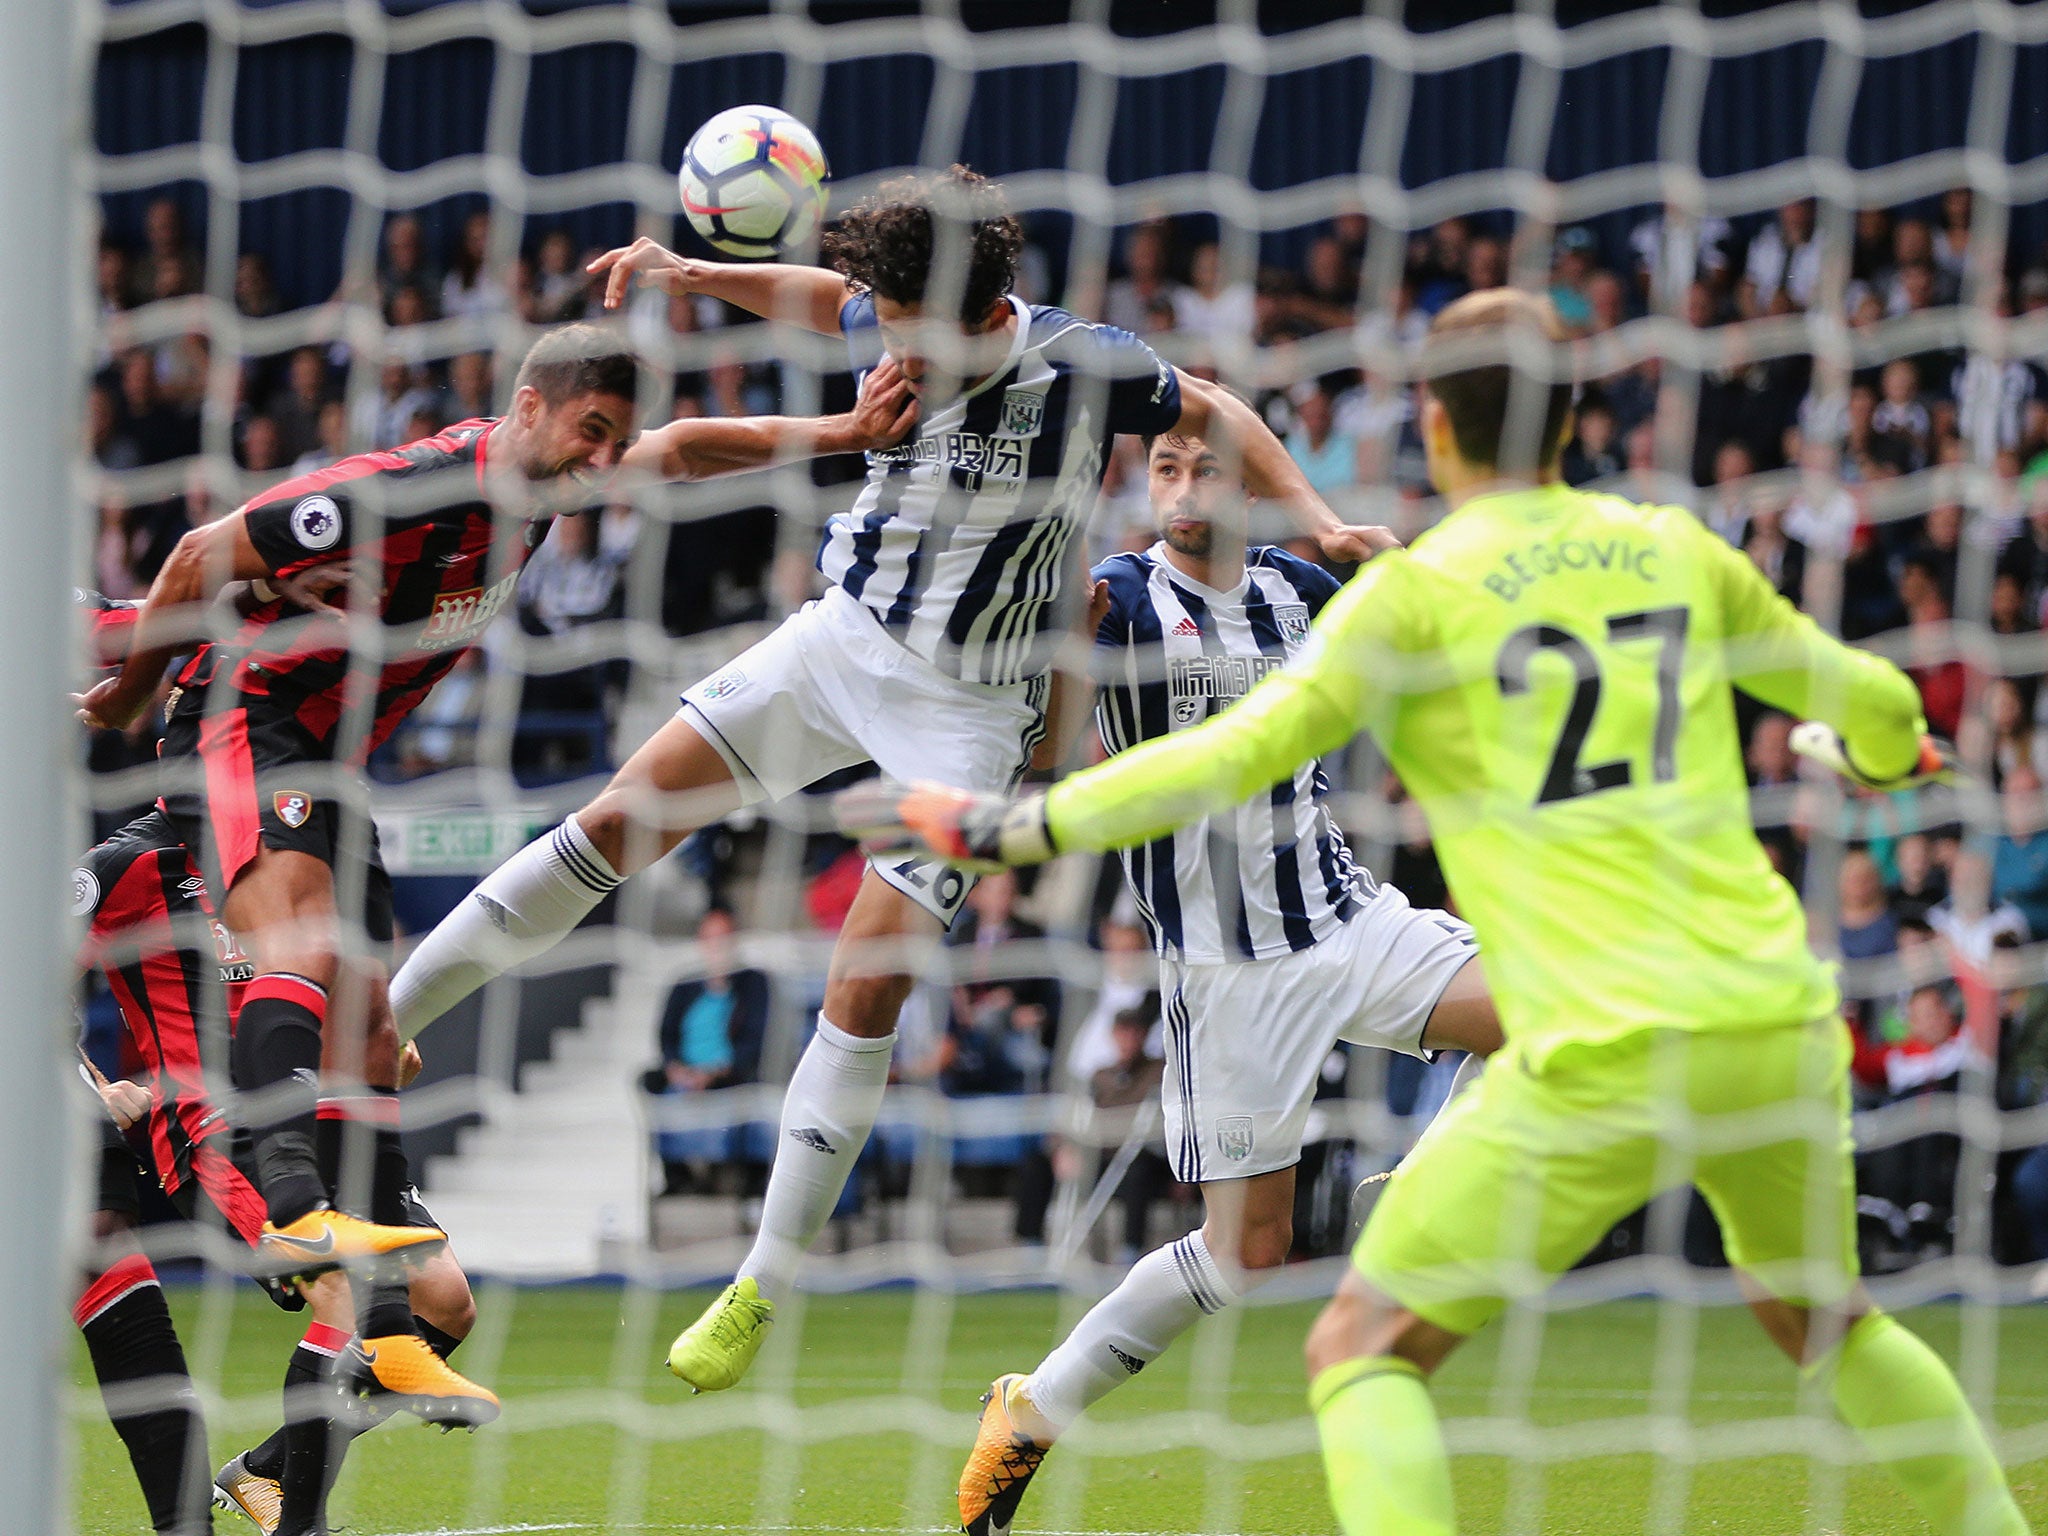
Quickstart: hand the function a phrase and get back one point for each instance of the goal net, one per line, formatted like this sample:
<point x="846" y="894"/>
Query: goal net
<point x="1803" y="255"/>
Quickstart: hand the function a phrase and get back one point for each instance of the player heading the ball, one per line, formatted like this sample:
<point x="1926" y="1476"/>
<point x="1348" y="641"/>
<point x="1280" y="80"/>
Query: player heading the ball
<point x="950" y="585"/>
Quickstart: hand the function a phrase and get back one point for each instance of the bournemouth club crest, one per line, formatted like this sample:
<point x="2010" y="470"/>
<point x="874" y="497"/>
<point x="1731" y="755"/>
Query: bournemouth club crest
<point x="292" y="807"/>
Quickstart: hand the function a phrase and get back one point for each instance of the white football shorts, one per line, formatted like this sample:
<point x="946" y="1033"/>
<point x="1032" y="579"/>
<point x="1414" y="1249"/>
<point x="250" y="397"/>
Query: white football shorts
<point x="1246" y="1040"/>
<point x="830" y="689"/>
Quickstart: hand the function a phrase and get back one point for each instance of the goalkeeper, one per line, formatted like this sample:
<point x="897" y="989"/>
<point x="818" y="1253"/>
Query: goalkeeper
<point x="1550" y="673"/>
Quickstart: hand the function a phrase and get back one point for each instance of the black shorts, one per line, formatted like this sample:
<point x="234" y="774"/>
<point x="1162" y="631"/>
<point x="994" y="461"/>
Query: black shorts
<point x="264" y="784"/>
<point x="416" y="1212"/>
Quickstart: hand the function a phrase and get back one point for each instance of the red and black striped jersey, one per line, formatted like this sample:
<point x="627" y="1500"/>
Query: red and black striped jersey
<point x="177" y="974"/>
<point x="412" y="528"/>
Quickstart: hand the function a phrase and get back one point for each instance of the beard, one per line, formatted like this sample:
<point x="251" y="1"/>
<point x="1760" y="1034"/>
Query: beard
<point x="1195" y="542"/>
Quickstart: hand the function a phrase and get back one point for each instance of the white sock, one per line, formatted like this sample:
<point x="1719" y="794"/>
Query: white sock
<point x="522" y="909"/>
<point x="1162" y="1297"/>
<point x="834" y="1095"/>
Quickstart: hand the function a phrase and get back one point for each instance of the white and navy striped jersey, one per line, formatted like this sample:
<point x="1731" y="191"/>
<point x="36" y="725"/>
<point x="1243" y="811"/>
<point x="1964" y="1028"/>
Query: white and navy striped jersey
<point x="958" y="541"/>
<point x="1275" y="875"/>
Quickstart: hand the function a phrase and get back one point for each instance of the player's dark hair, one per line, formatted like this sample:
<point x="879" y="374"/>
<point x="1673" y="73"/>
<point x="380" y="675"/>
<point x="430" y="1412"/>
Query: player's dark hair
<point x="1480" y="397"/>
<point x="574" y="360"/>
<point x="884" y="245"/>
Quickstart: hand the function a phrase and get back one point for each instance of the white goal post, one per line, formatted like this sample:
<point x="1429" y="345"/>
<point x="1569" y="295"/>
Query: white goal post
<point x="42" y="134"/>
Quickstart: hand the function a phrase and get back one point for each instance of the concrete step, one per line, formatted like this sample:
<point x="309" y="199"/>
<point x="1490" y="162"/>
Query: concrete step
<point x="558" y="1169"/>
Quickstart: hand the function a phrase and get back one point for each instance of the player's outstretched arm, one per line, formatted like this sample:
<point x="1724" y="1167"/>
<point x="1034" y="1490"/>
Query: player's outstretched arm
<point x="1214" y="414"/>
<point x="1867" y="707"/>
<point x="699" y="447"/>
<point x="1312" y="706"/>
<point x="806" y="296"/>
<point x="173" y="616"/>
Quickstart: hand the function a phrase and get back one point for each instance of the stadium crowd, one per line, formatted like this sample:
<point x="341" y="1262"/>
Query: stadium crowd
<point x="1885" y="494"/>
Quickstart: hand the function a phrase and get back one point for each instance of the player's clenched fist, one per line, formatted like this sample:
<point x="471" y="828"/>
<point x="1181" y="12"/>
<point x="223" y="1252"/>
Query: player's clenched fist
<point x="974" y="831"/>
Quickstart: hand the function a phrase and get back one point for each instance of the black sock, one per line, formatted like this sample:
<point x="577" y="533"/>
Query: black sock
<point x="135" y="1352"/>
<point x="442" y="1344"/>
<point x="277" y="1055"/>
<point x="312" y="1362"/>
<point x="316" y="1433"/>
<point x="364" y="1161"/>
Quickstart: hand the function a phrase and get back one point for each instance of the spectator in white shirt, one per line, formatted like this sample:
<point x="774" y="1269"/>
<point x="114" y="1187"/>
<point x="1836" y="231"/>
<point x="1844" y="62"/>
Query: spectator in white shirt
<point x="1675" y="249"/>
<point x="470" y="293"/>
<point x="1219" y="313"/>
<point x="1373" y="415"/>
<point x="1822" y="515"/>
<point x="1785" y="255"/>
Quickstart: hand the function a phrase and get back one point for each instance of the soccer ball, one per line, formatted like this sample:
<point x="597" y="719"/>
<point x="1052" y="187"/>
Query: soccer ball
<point x="753" y="181"/>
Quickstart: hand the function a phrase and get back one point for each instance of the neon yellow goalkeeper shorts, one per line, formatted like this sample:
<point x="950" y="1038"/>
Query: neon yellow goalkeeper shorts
<point x="1520" y="1176"/>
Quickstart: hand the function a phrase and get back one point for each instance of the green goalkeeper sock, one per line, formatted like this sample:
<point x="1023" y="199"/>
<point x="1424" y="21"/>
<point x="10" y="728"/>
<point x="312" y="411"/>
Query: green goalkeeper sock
<point x="1382" y="1448"/>
<point x="1905" y="1405"/>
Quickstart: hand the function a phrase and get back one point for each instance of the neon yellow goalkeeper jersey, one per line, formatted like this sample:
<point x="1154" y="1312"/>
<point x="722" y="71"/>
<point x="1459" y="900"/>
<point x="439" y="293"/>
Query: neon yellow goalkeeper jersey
<point x="1549" y="672"/>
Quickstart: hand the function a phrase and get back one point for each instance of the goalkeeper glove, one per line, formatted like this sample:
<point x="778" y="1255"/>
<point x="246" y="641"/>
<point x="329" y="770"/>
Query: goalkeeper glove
<point x="973" y="831"/>
<point x="1820" y="741"/>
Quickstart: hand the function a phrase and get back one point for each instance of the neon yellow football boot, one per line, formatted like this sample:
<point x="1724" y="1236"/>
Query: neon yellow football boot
<point x="713" y="1353"/>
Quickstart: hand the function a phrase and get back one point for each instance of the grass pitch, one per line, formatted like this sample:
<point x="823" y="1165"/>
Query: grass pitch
<point x="860" y="1411"/>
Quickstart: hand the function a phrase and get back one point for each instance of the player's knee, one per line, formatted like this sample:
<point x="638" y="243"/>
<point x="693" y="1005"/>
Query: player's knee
<point x="1359" y="1322"/>
<point x="442" y="1296"/>
<point x="1337" y="1334"/>
<point x="1784" y="1324"/>
<point x="381" y="1047"/>
<point x="110" y="1224"/>
<point x="605" y="822"/>
<point x="1265" y="1246"/>
<point x="866" y="1005"/>
<point x="628" y="840"/>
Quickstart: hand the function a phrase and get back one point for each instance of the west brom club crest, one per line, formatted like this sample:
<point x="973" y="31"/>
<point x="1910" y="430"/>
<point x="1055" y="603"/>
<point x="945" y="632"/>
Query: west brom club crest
<point x="1023" y="412"/>
<point x="292" y="807"/>
<point x="1293" y="621"/>
<point x="1234" y="1137"/>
